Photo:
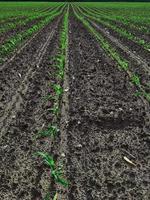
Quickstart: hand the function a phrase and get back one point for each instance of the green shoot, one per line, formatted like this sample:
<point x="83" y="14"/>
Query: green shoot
<point x="147" y="96"/>
<point x="55" y="110"/>
<point x="58" y="89"/>
<point x="55" y="197"/>
<point x="55" y="173"/>
<point x="51" y="131"/>
<point x="135" y="79"/>
<point x="138" y="93"/>
<point x="48" y="97"/>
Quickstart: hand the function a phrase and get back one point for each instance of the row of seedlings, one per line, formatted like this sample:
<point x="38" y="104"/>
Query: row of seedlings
<point x="121" y="31"/>
<point x="53" y="129"/>
<point x="111" y="51"/>
<point x="11" y="44"/>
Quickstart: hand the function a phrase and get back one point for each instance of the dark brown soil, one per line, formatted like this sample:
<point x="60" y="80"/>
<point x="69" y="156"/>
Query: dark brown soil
<point x="23" y="176"/>
<point x="105" y="129"/>
<point x="138" y="49"/>
<point x="137" y="65"/>
<point x="106" y="123"/>
<point x="13" y="74"/>
<point x="19" y="29"/>
<point x="120" y="24"/>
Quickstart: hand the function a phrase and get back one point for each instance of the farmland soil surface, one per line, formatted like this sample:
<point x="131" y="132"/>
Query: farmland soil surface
<point x="105" y="141"/>
<point x="106" y="123"/>
<point x="136" y="48"/>
<point x="23" y="176"/>
<point x="137" y="64"/>
<point x="19" y="29"/>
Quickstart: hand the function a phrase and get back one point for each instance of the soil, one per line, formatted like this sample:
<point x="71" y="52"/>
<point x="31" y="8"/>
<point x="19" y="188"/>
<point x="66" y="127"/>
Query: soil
<point x="106" y="123"/>
<point x="138" y="49"/>
<point x="103" y="125"/>
<point x="134" y="31"/>
<point x="137" y="64"/>
<point x="19" y="29"/>
<point x="23" y="175"/>
<point x="137" y="33"/>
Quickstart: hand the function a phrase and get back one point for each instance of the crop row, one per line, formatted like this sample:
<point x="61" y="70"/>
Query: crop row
<point x="55" y="97"/>
<point x="126" y="21"/>
<point x="23" y="22"/>
<point x="18" y="9"/>
<point x="112" y="52"/>
<point x="121" y="31"/>
<point x="135" y="14"/>
<point x="14" y="41"/>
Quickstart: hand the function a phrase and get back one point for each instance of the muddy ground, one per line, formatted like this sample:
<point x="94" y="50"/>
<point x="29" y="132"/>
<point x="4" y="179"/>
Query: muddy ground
<point x="102" y="122"/>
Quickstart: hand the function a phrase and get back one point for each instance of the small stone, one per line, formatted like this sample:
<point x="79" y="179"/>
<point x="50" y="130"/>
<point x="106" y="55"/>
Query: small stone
<point x="66" y="90"/>
<point x="66" y="121"/>
<point x="19" y="75"/>
<point x="120" y="109"/>
<point x="4" y="147"/>
<point x="79" y="146"/>
<point x="62" y="155"/>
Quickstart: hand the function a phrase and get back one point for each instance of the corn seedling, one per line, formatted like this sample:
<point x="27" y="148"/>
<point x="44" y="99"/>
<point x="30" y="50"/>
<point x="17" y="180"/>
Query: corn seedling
<point x="48" y="97"/>
<point x="55" y="110"/>
<point x="55" y="173"/>
<point x="58" y="89"/>
<point x="135" y="79"/>
<point x="138" y="94"/>
<point x="47" y="197"/>
<point x="52" y="130"/>
<point x="147" y="96"/>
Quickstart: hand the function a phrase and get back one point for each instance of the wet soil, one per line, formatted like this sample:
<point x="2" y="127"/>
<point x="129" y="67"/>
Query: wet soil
<point x="106" y="123"/>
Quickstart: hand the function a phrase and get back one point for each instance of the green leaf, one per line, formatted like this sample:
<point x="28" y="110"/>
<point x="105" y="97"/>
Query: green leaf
<point x="48" y="159"/>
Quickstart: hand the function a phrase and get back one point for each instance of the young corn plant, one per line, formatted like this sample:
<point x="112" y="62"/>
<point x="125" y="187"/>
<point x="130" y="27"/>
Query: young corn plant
<point x="58" y="90"/>
<point x="56" y="173"/>
<point x="55" y="109"/>
<point x="122" y="63"/>
<point x="51" y="131"/>
<point x="135" y="80"/>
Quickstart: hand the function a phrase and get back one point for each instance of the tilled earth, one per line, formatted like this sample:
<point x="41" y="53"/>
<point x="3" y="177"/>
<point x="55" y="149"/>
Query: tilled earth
<point x="25" y="114"/>
<point x="105" y="123"/>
